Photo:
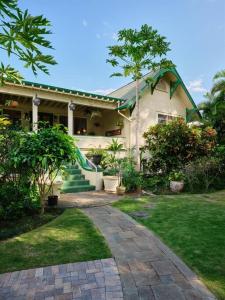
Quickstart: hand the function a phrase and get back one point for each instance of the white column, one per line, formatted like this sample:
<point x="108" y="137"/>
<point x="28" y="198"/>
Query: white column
<point x="34" y="116"/>
<point x="70" y="120"/>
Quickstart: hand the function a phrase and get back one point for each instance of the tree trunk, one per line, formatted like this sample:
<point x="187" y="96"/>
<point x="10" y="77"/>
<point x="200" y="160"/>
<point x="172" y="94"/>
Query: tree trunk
<point x="137" y="146"/>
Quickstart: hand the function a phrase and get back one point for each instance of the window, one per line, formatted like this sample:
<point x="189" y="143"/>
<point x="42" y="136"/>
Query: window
<point x="163" y="118"/>
<point x="80" y="126"/>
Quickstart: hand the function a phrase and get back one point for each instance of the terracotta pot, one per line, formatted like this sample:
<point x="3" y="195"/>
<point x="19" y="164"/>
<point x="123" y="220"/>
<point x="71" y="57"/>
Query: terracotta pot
<point x="120" y="190"/>
<point x="176" y="186"/>
<point x="110" y="183"/>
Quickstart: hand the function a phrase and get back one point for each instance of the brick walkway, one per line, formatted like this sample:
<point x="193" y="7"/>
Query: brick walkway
<point x="148" y="269"/>
<point x="93" y="280"/>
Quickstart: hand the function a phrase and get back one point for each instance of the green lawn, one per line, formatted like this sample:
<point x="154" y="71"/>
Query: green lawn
<point x="11" y="228"/>
<point x="71" y="237"/>
<point x="193" y="226"/>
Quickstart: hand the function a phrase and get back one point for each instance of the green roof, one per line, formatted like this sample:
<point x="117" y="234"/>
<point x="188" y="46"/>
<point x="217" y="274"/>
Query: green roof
<point x="156" y="76"/>
<point x="69" y="91"/>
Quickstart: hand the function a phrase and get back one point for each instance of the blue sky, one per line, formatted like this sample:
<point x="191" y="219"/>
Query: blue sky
<point x="84" y="28"/>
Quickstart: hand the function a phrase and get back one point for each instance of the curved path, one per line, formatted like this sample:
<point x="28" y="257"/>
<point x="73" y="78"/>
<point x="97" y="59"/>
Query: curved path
<point x="148" y="269"/>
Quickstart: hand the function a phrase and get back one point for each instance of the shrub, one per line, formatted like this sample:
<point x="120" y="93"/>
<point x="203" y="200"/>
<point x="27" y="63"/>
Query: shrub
<point x="204" y="174"/>
<point x="170" y="146"/>
<point x="44" y="153"/>
<point x="130" y="176"/>
<point x="17" y="200"/>
<point x="156" y="184"/>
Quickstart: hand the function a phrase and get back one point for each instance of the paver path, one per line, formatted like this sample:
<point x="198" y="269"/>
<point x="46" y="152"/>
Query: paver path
<point x="148" y="269"/>
<point x="86" y="199"/>
<point x="92" y="280"/>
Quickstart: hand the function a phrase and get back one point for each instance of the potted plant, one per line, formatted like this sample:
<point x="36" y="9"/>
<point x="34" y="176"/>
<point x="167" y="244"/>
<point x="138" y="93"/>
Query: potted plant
<point x="111" y="164"/>
<point x="176" y="179"/>
<point x="111" y="180"/>
<point x="96" y="154"/>
<point x="55" y="184"/>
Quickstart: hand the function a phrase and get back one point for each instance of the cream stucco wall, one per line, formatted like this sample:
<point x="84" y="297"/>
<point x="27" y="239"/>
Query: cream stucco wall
<point x="158" y="103"/>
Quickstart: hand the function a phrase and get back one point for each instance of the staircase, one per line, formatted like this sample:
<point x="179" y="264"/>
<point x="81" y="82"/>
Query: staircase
<point x="75" y="182"/>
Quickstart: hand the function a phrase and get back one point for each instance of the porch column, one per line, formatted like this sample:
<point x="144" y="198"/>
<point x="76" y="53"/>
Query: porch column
<point x="71" y="108"/>
<point x="35" y="103"/>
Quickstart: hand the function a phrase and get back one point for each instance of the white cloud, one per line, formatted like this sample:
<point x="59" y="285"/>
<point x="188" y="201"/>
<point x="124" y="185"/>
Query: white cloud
<point x="84" y="23"/>
<point x="102" y="91"/>
<point x="98" y="36"/>
<point x="196" y="86"/>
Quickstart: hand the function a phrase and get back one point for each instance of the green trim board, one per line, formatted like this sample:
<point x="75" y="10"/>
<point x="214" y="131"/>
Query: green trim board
<point x="70" y="91"/>
<point x="130" y="103"/>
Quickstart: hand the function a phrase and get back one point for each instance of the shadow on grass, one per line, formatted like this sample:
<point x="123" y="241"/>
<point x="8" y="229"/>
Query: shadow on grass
<point x="71" y="237"/>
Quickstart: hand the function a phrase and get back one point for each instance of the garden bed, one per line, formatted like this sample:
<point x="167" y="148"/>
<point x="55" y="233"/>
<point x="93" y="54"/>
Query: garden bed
<point x="193" y="226"/>
<point x="71" y="237"/>
<point x="11" y="228"/>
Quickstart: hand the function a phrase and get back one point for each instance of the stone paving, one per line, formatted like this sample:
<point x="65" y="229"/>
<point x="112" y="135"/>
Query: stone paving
<point x="93" y="280"/>
<point x="148" y="269"/>
<point x="86" y="199"/>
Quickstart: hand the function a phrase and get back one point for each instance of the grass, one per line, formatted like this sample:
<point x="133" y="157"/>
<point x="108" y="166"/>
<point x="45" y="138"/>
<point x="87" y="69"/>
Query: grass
<point x="12" y="228"/>
<point x="71" y="237"/>
<point x="193" y="226"/>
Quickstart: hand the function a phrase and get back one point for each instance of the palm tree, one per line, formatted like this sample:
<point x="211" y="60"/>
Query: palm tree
<point x="219" y="82"/>
<point x="213" y="108"/>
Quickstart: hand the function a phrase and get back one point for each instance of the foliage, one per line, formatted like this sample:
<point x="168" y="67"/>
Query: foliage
<point x="156" y="184"/>
<point x="44" y="153"/>
<point x="214" y="106"/>
<point x="130" y="177"/>
<point x="11" y="227"/>
<point x="136" y="53"/>
<point x="71" y="237"/>
<point x="17" y="194"/>
<point x="109" y="160"/>
<point x="23" y="36"/>
<point x="204" y="174"/>
<point x="115" y="146"/>
<point x="95" y="151"/>
<point x="170" y="146"/>
<point x="176" y="176"/>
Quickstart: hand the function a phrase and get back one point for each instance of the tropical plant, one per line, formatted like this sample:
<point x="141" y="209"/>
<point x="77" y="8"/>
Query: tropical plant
<point x="219" y="82"/>
<point x="45" y="153"/>
<point x="213" y="108"/>
<point x="176" y="176"/>
<point x="115" y="146"/>
<point x="170" y="146"/>
<point x="137" y="52"/>
<point x="24" y="37"/>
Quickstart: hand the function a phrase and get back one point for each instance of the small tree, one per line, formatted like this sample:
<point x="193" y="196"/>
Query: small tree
<point x="45" y="153"/>
<point x="137" y="52"/>
<point x="23" y="36"/>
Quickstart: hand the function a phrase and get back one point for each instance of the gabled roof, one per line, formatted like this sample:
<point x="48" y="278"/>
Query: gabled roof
<point x="72" y="92"/>
<point x="129" y="89"/>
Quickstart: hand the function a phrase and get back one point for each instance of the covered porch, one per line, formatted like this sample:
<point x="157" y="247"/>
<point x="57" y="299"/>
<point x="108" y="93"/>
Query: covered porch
<point x="91" y="119"/>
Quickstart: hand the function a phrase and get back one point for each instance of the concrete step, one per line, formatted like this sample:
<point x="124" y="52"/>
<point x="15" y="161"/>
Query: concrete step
<point x="78" y="188"/>
<point x="69" y="183"/>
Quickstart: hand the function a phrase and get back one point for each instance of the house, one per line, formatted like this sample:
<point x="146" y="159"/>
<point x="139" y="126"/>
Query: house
<point x="94" y="119"/>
